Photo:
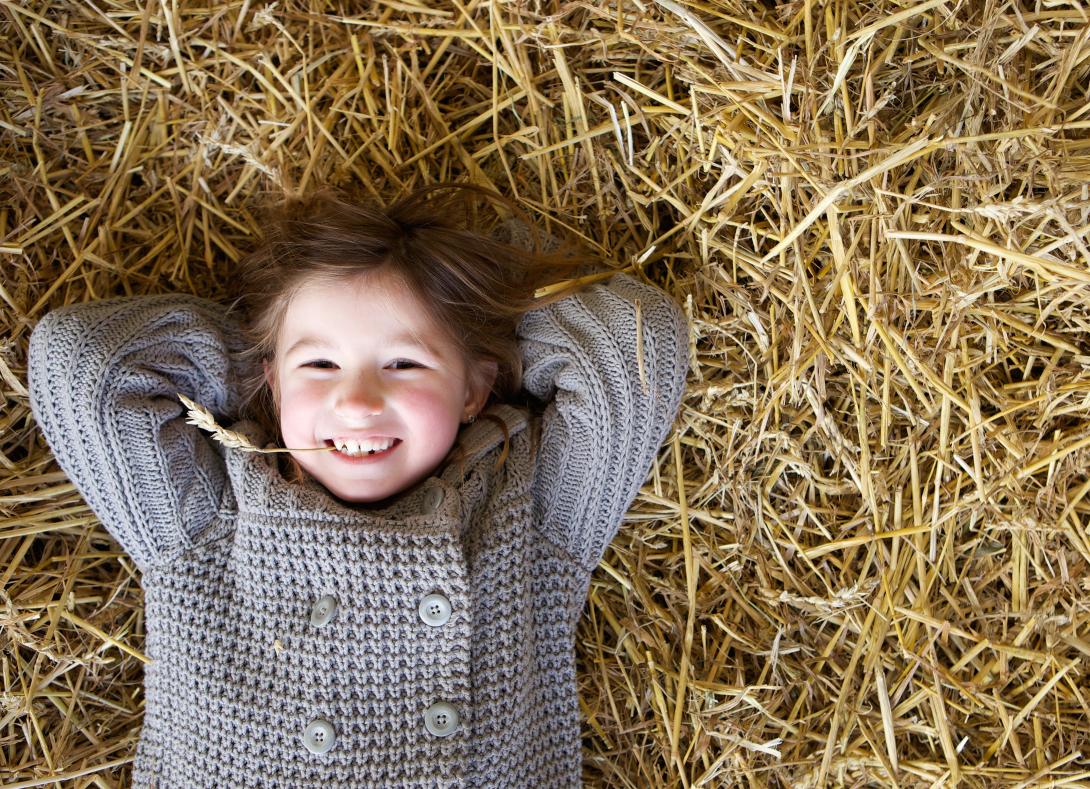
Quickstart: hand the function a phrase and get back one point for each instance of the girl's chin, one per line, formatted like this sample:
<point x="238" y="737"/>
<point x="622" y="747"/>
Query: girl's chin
<point x="360" y="491"/>
<point x="362" y="500"/>
<point x="365" y="480"/>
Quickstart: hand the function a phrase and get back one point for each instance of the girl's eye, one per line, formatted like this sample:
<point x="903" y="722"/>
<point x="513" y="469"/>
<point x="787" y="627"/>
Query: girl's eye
<point x="403" y="364"/>
<point x="321" y="364"/>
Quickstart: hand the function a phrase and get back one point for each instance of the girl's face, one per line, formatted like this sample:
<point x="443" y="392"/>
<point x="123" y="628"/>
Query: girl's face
<point x="358" y="360"/>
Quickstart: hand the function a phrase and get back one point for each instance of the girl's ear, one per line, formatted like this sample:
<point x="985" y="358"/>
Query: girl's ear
<point x="480" y="385"/>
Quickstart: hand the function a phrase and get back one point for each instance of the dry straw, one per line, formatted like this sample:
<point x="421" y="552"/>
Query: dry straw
<point x="198" y="415"/>
<point x="201" y="417"/>
<point x="863" y="556"/>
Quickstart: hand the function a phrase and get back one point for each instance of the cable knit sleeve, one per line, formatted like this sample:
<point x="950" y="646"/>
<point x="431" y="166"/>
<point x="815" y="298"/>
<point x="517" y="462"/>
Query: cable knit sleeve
<point x="602" y="428"/>
<point x="103" y="380"/>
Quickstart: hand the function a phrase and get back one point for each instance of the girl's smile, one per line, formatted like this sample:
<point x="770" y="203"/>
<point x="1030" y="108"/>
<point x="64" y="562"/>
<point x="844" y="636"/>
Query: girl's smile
<point x="370" y="446"/>
<point x="360" y="367"/>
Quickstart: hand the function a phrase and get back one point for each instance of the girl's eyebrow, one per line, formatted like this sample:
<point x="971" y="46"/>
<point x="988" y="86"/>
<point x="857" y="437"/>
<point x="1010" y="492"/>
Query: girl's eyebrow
<point x="405" y="339"/>
<point x="305" y="342"/>
<point x="416" y="341"/>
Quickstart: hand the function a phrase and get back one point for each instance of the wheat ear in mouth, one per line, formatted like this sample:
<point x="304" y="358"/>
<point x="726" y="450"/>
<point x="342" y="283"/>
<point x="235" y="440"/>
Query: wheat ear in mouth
<point x="202" y="418"/>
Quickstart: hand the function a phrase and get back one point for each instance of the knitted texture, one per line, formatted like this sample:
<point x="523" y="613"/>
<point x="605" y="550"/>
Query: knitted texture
<point x="234" y="558"/>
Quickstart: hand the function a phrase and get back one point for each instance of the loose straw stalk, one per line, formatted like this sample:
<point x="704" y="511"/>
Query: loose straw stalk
<point x="202" y="418"/>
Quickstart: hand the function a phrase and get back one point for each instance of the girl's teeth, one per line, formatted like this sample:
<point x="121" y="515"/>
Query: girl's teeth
<point x="350" y="447"/>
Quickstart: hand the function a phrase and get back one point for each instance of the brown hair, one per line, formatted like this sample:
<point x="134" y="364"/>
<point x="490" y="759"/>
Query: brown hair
<point x="473" y="284"/>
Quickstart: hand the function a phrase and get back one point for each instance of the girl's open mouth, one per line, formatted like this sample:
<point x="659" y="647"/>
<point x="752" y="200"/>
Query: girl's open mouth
<point x="361" y="454"/>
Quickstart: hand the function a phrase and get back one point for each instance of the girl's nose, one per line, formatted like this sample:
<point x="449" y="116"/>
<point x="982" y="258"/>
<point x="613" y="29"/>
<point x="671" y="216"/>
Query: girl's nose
<point x="358" y="399"/>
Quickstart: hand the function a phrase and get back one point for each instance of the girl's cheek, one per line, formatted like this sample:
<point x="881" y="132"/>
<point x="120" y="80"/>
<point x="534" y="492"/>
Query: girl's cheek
<point x="300" y="388"/>
<point x="435" y="407"/>
<point x="297" y="397"/>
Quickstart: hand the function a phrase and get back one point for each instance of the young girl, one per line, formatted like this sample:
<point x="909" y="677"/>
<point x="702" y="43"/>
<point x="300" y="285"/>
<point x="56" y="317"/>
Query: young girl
<point x="395" y="604"/>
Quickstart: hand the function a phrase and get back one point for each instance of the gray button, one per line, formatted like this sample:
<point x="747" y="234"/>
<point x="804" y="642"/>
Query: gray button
<point x="323" y="611"/>
<point x="441" y="719"/>
<point x="433" y="499"/>
<point x="435" y="610"/>
<point x="319" y="736"/>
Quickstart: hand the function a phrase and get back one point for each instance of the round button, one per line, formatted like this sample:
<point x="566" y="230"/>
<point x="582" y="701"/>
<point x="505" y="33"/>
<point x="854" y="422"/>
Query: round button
<point x="323" y="611"/>
<point x="441" y="719"/>
<point x="433" y="499"/>
<point x="319" y="736"/>
<point x="435" y="610"/>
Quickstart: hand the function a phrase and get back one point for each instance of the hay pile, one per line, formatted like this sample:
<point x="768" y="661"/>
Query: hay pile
<point x="863" y="558"/>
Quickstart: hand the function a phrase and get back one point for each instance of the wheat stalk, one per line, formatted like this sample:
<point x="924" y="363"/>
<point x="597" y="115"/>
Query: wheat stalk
<point x="202" y="418"/>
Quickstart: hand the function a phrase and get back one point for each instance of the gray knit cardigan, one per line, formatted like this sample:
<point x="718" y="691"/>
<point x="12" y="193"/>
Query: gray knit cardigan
<point x="291" y="644"/>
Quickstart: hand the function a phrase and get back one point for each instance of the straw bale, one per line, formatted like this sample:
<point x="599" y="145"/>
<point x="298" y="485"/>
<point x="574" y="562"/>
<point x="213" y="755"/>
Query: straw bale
<point x="862" y="558"/>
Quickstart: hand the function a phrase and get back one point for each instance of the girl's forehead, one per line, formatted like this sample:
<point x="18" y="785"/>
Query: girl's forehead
<point x="372" y="286"/>
<point x="372" y="307"/>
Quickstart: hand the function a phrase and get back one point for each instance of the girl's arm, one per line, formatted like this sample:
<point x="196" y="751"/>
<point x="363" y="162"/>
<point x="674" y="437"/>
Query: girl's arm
<point x="602" y="428"/>
<point x="103" y="380"/>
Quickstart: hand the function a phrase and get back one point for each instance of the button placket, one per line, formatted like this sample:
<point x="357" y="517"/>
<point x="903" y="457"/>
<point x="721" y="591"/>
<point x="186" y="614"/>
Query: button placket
<point x="441" y="719"/>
